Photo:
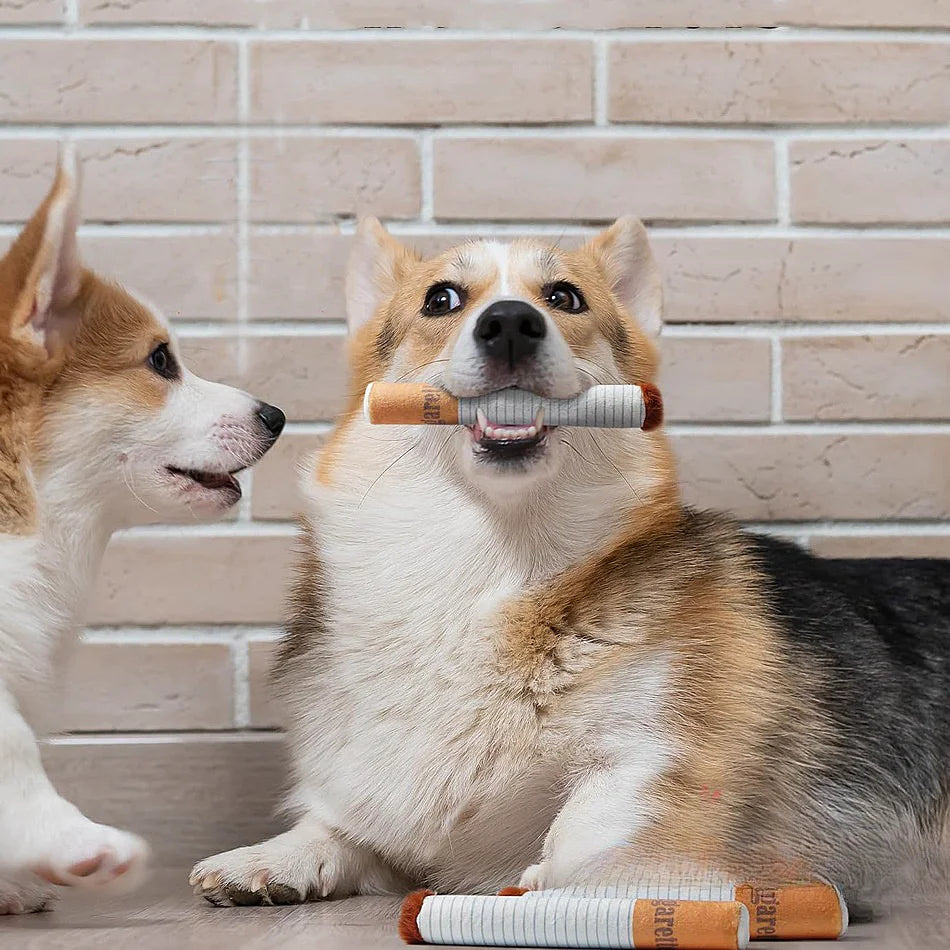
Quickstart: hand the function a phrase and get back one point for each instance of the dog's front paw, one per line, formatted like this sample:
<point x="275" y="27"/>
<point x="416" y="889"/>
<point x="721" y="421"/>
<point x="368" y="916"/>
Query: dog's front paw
<point x="278" y="871"/>
<point x="23" y="897"/>
<point x="536" y="877"/>
<point x="89" y="855"/>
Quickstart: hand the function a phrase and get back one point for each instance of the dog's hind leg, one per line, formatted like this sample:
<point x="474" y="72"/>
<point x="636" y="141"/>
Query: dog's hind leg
<point x="308" y="862"/>
<point x="44" y="836"/>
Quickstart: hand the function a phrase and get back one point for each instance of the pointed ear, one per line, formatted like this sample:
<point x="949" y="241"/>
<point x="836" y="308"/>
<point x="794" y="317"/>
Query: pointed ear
<point x="376" y="261"/>
<point x="44" y="262"/>
<point x="623" y="254"/>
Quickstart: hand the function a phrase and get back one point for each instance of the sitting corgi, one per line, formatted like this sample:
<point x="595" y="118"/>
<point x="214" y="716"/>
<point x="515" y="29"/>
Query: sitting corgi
<point x="514" y="655"/>
<point x="101" y="427"/>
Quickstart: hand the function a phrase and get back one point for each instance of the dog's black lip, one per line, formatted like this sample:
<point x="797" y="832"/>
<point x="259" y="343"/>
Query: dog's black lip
<point x="510" y="449"/>
<point x="202" y="476"/>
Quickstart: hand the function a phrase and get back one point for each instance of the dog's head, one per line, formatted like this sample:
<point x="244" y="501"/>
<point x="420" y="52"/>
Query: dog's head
<point x="122" y="424"/>
<point x="485" y="316"/>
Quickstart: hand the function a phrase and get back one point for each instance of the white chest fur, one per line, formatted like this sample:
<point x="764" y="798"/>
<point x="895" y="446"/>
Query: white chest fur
<point x="406" y="735"/>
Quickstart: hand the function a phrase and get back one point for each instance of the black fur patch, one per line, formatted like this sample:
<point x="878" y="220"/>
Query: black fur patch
<point x="307" y="614"/>
<point x="386" y="342"/>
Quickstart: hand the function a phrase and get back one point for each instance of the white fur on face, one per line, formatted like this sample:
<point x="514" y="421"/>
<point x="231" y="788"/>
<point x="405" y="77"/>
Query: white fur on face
<point x="552" y="372"/>
<point x="514" y="272"/>
<point x="125" y="451"/>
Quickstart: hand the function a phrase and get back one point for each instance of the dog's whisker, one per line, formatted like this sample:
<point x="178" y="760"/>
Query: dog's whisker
<point x="128" y="484"/>
<point x="616" y="468"/>
<point x="402" y="455"/>
<point x="416" y="369"/>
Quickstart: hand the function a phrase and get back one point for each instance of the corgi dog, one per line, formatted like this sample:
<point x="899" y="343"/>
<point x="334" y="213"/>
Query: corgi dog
<point x="516" y="656"/>
<point x="101" y="427"/>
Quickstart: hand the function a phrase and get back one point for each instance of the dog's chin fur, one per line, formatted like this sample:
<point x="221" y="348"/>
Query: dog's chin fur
<point x="492" y="676"/>
<point x="88" y="430"/>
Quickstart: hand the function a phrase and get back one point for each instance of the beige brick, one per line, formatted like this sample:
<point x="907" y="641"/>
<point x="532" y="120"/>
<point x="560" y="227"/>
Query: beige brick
<point x="881" y="545"/>
<point x="800" y="477"/>
<point x="231" y="577"/>
<point x="138" y="687"/>
<point x="275" y="495"/>
<point x="214" y="357"/>
<point x="305" y="374"/>
<point x="485" y="14"/>
<point x="118" y="80"/>
<point x="26" y="174"/>
<point x="870" y="182"/>
<point x="159" y="179"/>
<point x="189" y="276"/>
<point x="266" y="711"/>
<point x="128" y="179"/>
<point x="602" y="178"/>
<point x="716" y="379"/>
<point x="795" y="81"/>
<point x="713" y="279"/>
<point x="862" y="377"/>
<point x="866" y="13"/>
<point x="31" y="11"/>
<point x="306" y="179"/>
<point x="173" y="12"/>
<point x="422" y="81"/>
<point x="297" y="276"/>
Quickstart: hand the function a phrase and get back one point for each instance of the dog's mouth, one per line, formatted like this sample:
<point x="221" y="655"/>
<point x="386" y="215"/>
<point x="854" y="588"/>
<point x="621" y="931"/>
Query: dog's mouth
<point x="494" y="442"/>
<point x="212" y="481"/>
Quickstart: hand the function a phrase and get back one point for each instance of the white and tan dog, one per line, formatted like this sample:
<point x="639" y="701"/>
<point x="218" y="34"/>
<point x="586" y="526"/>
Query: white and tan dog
<point x="513" y="653"/>
<point x="101" y="428"/>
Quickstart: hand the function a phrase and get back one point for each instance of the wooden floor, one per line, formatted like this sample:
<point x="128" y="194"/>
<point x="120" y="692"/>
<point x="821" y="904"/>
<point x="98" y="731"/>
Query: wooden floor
<point x="164" y="915"/>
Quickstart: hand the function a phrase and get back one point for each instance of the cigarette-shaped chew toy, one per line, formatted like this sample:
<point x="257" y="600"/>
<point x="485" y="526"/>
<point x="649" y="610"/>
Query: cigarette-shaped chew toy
<point x="558" y="921"/>
<point x="603" y="407"/>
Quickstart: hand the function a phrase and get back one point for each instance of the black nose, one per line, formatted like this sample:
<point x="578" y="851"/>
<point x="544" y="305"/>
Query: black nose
<point x="511" y="330"/>
<point x="272" y="418"/>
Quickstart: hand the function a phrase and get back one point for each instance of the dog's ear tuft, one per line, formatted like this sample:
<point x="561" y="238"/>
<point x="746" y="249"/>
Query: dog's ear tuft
<point x="44" y="262"/>
<point x="623" y="254"/>
<point x="372" y="271"/>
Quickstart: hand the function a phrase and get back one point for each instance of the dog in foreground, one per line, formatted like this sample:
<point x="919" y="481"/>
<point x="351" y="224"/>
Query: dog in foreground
<point x="517" y="656"/>
<point x="101" y="427"/>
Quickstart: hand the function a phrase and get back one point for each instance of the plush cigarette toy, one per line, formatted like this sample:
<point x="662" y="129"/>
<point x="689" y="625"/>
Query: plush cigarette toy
<point x="805" y="910"/>
<point x="559" y="921"/>
<point x="605" y="407"/>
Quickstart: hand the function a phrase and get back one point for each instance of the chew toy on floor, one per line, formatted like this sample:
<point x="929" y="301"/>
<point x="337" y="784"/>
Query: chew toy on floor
<point x="605" y="407"/>
<point x="560" y="921"/>
<point x="801" y="910"/>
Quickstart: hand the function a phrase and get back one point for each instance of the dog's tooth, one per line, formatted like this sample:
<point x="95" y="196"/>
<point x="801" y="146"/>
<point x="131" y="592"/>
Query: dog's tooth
<point x="532" y="431"/>
<point x="539" y="420"/>
<point x="481" y="420"/>
<point x="489" y="432"/>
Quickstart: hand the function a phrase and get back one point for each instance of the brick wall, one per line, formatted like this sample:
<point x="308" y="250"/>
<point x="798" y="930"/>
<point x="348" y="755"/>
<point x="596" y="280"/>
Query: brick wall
<point x="795" y="180"/>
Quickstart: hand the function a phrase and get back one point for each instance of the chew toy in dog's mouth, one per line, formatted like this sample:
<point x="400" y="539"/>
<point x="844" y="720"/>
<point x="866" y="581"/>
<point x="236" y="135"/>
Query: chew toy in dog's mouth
<point x="213" y="481"/>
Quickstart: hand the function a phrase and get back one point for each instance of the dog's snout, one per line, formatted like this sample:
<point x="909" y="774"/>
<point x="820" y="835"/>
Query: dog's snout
<point x="272" y="418"/>
<point x="510" y="330"/>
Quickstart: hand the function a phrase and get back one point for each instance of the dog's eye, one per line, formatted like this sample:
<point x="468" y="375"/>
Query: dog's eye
<point x="162" y="361"/>
<point x="442" y="299"/>
<point x="564" y="296"/>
